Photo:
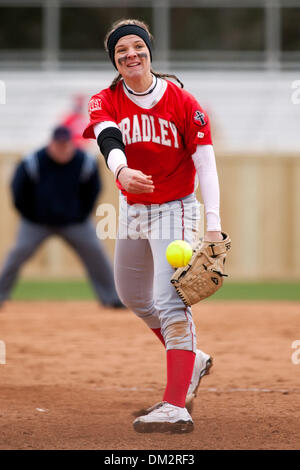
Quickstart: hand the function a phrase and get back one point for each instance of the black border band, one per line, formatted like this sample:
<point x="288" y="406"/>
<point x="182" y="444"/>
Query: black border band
<point x="109" y="139"/>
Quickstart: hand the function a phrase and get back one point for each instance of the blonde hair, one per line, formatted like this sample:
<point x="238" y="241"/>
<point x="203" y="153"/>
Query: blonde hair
<point x="143" y="25"/>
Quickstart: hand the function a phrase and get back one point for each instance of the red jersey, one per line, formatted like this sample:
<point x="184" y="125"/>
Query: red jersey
<point x="158" y="141"/>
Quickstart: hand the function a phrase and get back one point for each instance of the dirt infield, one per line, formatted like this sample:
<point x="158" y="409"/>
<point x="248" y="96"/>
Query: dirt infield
<point x="75" y="373"/>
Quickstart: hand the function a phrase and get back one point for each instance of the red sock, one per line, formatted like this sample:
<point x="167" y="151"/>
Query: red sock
<point x="180" y="365"/>
<point x="157" y="332"/>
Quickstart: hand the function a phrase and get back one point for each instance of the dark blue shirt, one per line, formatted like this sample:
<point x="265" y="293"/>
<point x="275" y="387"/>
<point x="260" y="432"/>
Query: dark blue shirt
<point x="50" y="193"/>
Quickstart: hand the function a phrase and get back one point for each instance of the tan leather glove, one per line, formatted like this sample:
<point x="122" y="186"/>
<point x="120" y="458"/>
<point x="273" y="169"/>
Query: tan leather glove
<point x="203" y="276"/>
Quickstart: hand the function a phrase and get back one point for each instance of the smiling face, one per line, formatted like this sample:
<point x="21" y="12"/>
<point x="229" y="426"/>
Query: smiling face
<point x="132" y="59"/>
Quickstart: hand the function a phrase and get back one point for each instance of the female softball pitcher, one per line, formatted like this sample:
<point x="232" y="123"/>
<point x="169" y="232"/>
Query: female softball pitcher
<point x="155" y="137"/>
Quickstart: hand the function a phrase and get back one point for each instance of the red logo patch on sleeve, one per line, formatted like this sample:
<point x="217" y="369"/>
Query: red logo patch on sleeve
<point x="199" y="118"/>
<point x="95" y="105"/>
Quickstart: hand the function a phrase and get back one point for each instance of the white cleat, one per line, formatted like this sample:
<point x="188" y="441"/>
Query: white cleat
<point x="202" y="366"/>
<point x="203" y="363"/>
<point x="165" y="417"/>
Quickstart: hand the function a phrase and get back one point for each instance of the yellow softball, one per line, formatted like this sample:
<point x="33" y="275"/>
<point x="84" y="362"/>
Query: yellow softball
<point x="179" y="253"/>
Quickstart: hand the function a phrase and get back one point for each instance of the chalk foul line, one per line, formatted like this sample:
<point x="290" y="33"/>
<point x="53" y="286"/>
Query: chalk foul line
<point x="208" y="390"/>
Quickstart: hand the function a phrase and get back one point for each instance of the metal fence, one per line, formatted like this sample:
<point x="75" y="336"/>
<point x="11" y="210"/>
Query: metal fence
<point x="178" y="26"/>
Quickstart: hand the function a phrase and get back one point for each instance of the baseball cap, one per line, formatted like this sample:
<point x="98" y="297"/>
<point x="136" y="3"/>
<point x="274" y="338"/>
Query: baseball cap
<point x="61" y="133"/>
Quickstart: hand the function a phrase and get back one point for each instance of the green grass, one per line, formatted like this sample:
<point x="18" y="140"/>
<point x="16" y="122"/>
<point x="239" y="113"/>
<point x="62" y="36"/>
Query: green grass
<point x="259" y="291"/>
<point x="81" y="290"/>
<point x="53" y="290"/>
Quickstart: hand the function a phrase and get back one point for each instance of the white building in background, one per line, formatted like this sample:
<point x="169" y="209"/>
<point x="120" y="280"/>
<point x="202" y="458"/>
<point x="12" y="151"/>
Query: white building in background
<point x="240" y="59"/>
<point x="250" y="111"/>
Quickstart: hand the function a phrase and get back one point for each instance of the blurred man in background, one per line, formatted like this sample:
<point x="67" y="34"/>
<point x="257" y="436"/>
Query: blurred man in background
<point x="54" y="189"/>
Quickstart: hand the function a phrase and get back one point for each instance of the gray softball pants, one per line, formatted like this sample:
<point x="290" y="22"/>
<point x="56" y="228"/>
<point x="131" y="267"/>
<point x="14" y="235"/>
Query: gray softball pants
<point x="142" y="272"/>
<point x="81" y="237"/>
